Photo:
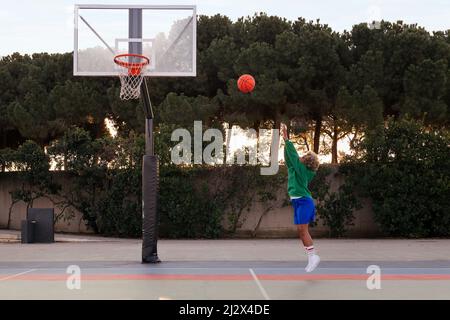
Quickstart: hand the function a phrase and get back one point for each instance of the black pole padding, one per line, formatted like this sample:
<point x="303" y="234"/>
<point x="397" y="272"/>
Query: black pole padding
<point x="150" y="177"/>
<point x="150" y="219"/>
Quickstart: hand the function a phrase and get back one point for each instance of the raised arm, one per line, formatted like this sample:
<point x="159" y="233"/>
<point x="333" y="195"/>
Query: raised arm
<point x="283" y="131"/>
<point x="284" y="135"/>
<point x="290" y="154"/>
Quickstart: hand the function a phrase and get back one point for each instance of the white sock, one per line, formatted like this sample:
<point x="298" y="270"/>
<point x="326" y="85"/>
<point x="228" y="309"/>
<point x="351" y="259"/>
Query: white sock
<point x="310" y="251"/>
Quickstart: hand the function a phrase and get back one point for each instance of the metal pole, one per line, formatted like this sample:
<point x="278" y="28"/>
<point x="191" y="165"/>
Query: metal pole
<point x="149" y="146"/>
<point x="150" y="166"/>
<point x="135" y="31"/>
<point x="150" y="175"/>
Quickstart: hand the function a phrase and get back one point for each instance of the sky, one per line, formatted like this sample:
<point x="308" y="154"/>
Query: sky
<point x="29" y="26"/>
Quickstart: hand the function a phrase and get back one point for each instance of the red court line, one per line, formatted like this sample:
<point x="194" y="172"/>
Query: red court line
<point x="302" y="277"/>
<point x="106" y="277"/>
<point x="227" y="277"/>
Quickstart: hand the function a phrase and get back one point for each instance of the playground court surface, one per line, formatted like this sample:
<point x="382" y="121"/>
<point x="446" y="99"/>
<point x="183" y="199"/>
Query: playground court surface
<point x="223" y="269"/>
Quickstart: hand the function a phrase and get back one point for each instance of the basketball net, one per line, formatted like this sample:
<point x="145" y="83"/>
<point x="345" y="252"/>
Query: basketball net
<point x="130" y="74"/>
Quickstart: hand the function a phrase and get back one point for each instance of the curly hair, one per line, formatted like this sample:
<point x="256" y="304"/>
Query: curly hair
<point x="311" y="160"/>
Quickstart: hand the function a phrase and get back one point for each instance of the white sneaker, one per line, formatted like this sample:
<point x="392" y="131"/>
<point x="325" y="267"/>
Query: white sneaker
<point x="313" y="262"/>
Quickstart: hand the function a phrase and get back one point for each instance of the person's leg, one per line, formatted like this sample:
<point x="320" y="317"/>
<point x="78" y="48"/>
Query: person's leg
<point x="304" y="213"/>
<point x="305" y="237"/>
<point x="303" y="233"/>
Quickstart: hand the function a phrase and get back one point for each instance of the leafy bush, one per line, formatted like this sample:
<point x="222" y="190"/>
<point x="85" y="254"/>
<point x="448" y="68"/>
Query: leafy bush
<point x="6" y="156"/>
<point x="194" y="201"/>
<point x="106" y="188"/>
<point x="319" y="185"/>
<point x="186" y="206"/>
<point x="405" y="170"/>
<point x="119" y="210"/>
<point x="34" y="175"/>
<point x="336" y="210"/>
<point x="85" y="161"/>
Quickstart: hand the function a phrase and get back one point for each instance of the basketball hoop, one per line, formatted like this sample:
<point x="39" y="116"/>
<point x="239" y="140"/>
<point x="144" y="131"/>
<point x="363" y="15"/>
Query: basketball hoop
<point x="130" y="73"/>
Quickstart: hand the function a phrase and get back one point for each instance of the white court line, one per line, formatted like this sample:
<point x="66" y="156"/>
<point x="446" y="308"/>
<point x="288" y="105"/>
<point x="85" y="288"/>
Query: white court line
<point x="261" y="288"/>
<point x="17" y="274"/>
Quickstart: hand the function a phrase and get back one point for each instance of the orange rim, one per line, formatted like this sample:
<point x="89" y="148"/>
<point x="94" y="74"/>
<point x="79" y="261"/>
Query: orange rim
<point x="134" y="68"/>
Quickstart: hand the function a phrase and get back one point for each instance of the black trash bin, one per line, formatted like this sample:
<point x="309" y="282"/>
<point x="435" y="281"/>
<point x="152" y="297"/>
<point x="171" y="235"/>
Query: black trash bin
<point x="38" y="228"/>
<point x="27" y="231"/>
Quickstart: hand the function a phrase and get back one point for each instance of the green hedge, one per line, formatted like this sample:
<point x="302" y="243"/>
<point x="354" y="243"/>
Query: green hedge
<point x="403" y="168"/>
<point x="405" y="171"/>
<point x="186" y="207"/>
<point x="105" y="186"/>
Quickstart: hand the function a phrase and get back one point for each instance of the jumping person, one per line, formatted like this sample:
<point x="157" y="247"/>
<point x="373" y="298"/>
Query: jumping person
<point x="301" y="170"/>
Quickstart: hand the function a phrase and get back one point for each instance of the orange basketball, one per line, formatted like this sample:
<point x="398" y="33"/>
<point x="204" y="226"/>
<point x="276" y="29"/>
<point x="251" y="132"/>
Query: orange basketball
<point x="246" y="83"/>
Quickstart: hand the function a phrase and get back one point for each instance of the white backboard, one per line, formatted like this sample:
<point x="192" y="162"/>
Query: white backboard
<point x="167" y="35"/>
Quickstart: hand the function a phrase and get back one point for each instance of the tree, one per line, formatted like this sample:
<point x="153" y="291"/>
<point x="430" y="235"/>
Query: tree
<point x="356" y="114"/>
<point x="259" y="28"/>
<point x="211" y="29"/>
<point x="318" y="73"/>
<point x="217" y="64"/>
<point x="36" y="181"/>
<point x="384" y="57"/>
<point x="404" y="170"/>
<point x="330" y="83"/>
<point x="12" y="69"/>
<point x="425" y="87"/>
<point x="40" y="98"/>
<point x="83" y="103"/>
<point x="32" y="115"/>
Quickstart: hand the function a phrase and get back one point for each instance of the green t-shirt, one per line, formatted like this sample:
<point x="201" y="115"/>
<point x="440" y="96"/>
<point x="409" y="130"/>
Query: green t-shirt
<point x="299" y="176"/>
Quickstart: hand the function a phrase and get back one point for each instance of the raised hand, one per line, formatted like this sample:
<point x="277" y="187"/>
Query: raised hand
<point x="283" y="131"/>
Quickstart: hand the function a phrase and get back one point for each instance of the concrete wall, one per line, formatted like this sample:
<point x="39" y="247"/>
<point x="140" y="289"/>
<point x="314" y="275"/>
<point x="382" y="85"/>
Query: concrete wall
<point x="71" y="221"/>
<point x="277" y="222"/>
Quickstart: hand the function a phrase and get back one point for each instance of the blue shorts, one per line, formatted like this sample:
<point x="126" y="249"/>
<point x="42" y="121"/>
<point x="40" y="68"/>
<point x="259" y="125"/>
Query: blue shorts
<point x="304" y="210"/>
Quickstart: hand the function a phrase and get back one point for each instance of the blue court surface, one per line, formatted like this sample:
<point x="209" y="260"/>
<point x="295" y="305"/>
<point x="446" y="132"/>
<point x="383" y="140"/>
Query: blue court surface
<point x="224" y="280"/>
